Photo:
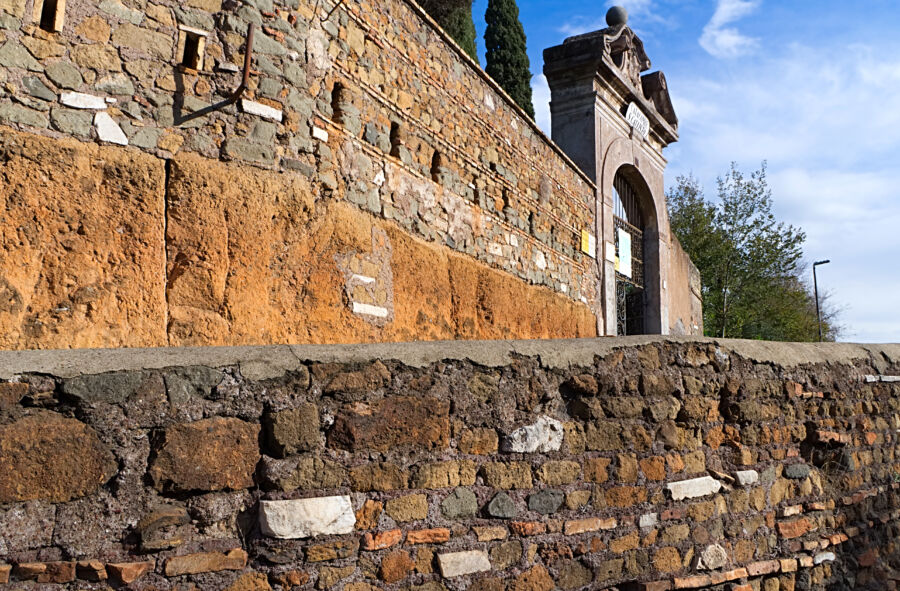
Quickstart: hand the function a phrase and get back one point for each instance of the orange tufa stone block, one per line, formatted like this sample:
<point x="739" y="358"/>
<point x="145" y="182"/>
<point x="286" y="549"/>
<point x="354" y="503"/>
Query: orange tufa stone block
<point x="428" y="536"/>
<point x="128" y="572"/>
<point x="694" y="582"/>
<point x="528" y="528"/>
<point x="580" y="526"/>
<point x="766" y="567"/>
<point x="794" y="529"/>
<point x="382" y="540"/>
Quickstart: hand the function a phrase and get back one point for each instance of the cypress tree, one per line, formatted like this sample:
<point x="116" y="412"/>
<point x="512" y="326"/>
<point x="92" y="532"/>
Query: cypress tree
<point x="507" y="57"/>
<point x="455" y="17"/>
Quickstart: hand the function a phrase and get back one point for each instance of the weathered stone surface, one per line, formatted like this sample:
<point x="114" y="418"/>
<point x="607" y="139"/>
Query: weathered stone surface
<point x="380" y="540"/>
<point x="250" y="582"/>
<point x="80" y="100"/>
<point x="445" y="474"/>
<point x="64" y="75"/>
<point x="305" y="518"/>
<point x="330" y="576"/>
<point x="150" y="42"/>
<point x="14" y="55"/>
<point x="128" y="572"/>
<point x="294" y="430"/>
<point x="11" y="394"/>
<point x="797" y="471"/>
<point x="823" y="557"/>
<point x="304" y="473"/>
<point x="507" y="475"/>
<point x="543" y="436"/>
<point x="691" y="489"/>
<point x="479" y="441"/>
<point x="535" y="579"/>
<point x="94" y="28"/>
<point x="206" y="562"/>
<point x="46" y="456"/>
<point x="546" y="501"/>
<point x="73" y="122"/>
<point x="502" y="507"/>
<point x="747" y="477"/>
<point x="13" y="7"/>
<point x="396" y="566"/>
<point x="211" y="454"/>
<point x="109" y="388"/>
<point x="152" y="525"/>
<point x="407" y="508"/>
<point x="23" y="115"/>
<point x="506" y="554"/>
<point x="115" y="84"/>
<point x="57" y="572"/>
<point x="558" y="473"/>
<point x="337" y="550"/>
<point x="574" y="575"/>
<point x="207" y="5"/>
<point x="108" y="130"/>
<point x="261" y="110"/>
<point x="459" y="504"/>
<point x="38" y="89"/>
<point x="96" y="56"/>
<point x="457" y="564"/>
<point x="26" y="526"/>
<point x="52" y="188"/>
<point x="381" y="477"/>
<point x="118" y="10"/>
<point x="713" y="558"/>
<point x="395" y="421"/>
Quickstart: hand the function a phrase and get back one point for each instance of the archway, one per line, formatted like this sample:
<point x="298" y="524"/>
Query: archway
<point x="636" y="236"/>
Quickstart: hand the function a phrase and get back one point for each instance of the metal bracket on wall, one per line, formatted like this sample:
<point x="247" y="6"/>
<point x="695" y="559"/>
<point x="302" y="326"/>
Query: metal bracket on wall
<point x="333" y="10"/>
<point x="248" y="57"/>
<point x="235" y="96"/>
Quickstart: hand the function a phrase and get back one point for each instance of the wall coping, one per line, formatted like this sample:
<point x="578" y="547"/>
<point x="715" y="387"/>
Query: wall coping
<point x="268" y="362"/>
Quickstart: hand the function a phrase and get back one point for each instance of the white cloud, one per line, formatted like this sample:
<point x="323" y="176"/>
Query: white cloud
<point x="820" y="117"/>
<point x="722" y="41"/>
<point x="540" y="90"/>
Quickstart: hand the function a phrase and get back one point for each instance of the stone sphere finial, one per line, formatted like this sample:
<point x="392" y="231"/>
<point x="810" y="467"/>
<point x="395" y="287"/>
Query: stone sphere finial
<point x="616" y="16"/>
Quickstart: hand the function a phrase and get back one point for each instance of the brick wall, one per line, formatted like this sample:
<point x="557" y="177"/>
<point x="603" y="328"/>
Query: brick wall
<point x="588" y="464"/>
<point x="371" y="107"/>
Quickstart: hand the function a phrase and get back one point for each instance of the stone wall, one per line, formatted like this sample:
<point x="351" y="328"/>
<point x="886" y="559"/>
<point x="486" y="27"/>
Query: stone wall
<point x="626" y="464"/>
<point x="364" y="115"/>
<point x="684" y="292"/>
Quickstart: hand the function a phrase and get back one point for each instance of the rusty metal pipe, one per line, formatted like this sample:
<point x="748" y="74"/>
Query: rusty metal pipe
<point x="248" y="58"/>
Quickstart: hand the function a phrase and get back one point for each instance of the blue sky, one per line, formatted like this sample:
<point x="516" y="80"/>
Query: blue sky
<point x="810" y="86"/>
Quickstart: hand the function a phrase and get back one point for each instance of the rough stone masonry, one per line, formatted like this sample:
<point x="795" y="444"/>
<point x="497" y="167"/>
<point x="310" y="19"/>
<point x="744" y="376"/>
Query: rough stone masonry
<point x="370" y="185"/>
<point x="522" y="466"/>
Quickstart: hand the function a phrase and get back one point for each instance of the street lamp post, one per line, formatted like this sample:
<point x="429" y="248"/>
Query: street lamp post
<point x="816" y="287"/>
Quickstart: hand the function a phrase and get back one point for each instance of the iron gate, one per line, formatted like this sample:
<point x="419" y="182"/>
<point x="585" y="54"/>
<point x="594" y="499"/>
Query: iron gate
<point x="629" y="282"/>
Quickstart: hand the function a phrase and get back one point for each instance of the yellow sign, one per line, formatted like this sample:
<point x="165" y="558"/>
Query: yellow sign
<point x="588" y="244"/>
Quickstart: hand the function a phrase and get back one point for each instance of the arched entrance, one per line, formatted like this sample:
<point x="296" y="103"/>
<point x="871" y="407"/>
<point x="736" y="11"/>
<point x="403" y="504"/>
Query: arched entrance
<point x="636" y="272"/>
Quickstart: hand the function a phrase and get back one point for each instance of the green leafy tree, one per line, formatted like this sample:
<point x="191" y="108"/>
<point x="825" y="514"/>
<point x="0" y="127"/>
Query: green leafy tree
<point x="455" y="17"/>
<point x="507" y="56"/>
<point x="750" y="263"/>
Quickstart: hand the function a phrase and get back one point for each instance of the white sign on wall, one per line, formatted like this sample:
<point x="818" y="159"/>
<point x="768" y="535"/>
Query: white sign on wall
<point x="638" y="120"/>
<point x="624" y="266"/>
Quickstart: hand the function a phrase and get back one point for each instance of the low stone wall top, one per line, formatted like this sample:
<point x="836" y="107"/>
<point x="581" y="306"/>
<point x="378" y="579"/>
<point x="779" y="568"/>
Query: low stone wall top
<point x="635" y="463"/>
